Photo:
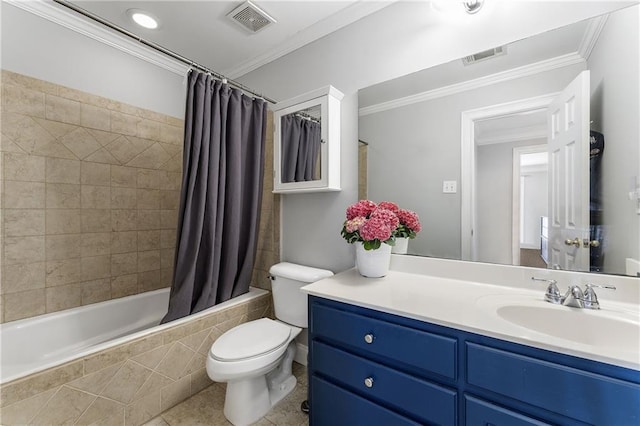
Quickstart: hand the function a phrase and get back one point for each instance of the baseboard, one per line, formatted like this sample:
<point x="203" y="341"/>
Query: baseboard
<point x="301" y="353"/>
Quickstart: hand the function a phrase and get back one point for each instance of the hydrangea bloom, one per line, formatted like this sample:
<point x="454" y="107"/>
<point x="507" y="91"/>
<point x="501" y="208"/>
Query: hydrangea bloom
<point x="375" y="229"/>
<point x="354" y="224"/>
<point x="389" y="206"/>
<point x="362" y="208"/>
<point x="410" y="220"/>
<point x="388" y="216"/>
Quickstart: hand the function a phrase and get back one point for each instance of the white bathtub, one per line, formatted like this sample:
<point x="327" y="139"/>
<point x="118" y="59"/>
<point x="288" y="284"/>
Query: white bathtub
<point x="35" y="344"/>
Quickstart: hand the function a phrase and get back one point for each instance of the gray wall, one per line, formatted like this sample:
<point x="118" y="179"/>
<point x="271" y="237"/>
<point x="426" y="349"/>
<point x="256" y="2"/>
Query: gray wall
<point x="536" y="201"/>
<point x="615" y="67"/>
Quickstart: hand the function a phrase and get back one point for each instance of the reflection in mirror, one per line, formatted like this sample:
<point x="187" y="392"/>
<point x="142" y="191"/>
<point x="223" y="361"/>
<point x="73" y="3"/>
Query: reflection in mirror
<point x="414" y="127"/>
<point x="301" y="138"/>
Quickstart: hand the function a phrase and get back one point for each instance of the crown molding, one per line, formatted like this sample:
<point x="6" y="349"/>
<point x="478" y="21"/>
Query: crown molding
<point x="320" y="29"/>
<point x="500" y="77"/>
<point x="49" y="11"/>
<point x="591" y="35"/>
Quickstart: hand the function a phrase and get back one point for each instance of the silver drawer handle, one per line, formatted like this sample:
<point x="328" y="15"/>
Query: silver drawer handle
<point x="368" y="338"/>
<point x="368" y="382"/>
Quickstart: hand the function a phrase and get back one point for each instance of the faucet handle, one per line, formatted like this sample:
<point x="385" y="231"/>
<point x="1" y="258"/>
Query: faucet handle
<point x="590" y="298"/>
<point x="553" y="293"/>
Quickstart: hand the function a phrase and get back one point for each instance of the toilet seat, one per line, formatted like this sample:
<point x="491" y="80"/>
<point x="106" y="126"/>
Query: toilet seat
<point x="251" y="339"/>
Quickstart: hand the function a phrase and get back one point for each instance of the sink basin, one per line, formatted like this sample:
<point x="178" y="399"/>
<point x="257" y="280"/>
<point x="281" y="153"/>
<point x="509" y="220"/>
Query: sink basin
<point x="614" y="329"/>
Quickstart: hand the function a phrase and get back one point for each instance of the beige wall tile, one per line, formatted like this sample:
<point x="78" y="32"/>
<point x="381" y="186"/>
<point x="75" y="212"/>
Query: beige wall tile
<point x="166" y="277"/>
<point x="123" y="264"/>
<point x="104" y="138"/>
<point x="60" y="170"/>
<point x="95" y="117"/>
<point x="23" y="250"/>
<point x="148" y="199"/>
<point x="149" y="179"/>
<point x="81" y="143"/>
<point x="23" y="222"/>
<point x="63" y="297"/>
<point x="123" y="176"/>
<point x="169" y="200"/>
<point x="59" y="247"/>
<point x="143" y="409"/>
<point x="148" y="220"/>
<point x="148" y="260"/>
<point x="148" y="281"/>
<point x="168" y="219"/>
<point x="96" y="267"/>
<point x="22" y="277"/>
<point x="124" y="242"/>
<point x="124" y="285"/>
<point x="176" y="392"/>
<point x="95" y="220"/>
<point x="22" y="412"/>
<point x="124" y="123"/>
<point x="148" y="240"/>
<point x="124" y="220"/>
<point x="23" y="195"/>
<point x="95" y="174"/>
<point x="96" y="244"/>
<point x="170" y="180"/>
<point x="65" y="407"/>
<point x="126" y="382"/>
<point x="23" y="100"/>
<point x="171" y="134"/>
<point x="96" y="382"/>
<point x="96" y="291"/>
<point x="123" y="198"/>
<point x="166" y="258"/>
<point x="148" y="129"/>
<point x="126" y="148"/>
<point x="23" y="167"/>
<point x="95" y="197"/>
<point x="60" y="109"/>
<point x="24" y="304"/>
<point x="167" y="238"/>
<point x="62" y="196"/>
<point x="55" y="128"/>
<point x="176" y="361"/>
<point x="102" y="156"/>
<point x="61" y="272"/>
<point x="151" y="158"/>
<point x="103" y="412"/>
<point x="63" y="221"/>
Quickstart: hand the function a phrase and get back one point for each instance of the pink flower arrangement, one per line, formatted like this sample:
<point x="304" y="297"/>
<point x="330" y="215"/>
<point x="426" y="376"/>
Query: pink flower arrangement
<point x="374" y="224"/>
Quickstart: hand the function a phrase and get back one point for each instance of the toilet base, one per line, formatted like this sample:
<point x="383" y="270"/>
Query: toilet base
<point x="247" y="400"/>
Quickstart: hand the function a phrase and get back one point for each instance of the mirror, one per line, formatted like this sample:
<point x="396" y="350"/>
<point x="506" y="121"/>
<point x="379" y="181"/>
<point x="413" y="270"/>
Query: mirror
<point x="488" y="203"/>
<point x="307" y="143"/>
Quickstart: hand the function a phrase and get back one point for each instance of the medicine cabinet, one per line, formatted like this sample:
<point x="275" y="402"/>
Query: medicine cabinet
<point x="306" y="154"/>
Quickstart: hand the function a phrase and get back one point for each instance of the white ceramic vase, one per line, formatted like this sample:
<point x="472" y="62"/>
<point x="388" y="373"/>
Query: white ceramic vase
<point x="401" y="247"/>
<point x="373" y="263"/>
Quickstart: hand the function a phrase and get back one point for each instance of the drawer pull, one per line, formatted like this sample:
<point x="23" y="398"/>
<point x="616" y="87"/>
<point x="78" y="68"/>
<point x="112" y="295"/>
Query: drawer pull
<point x="368" y="382"/>
<point x="368" y="338"/>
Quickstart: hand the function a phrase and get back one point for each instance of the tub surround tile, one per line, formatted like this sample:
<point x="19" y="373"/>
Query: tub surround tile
<point x="81" y="143"/>
<point x="23" y="412"/>
<point x="176" y="361"/>
<point x="143" y="409"/>
<point x="124" y="264"/>
<point x="27" y="222"/>
<point x="96" y="382"/>
<point x="194" y="340"/>
<point x="175" y="393"/>
<point x="61" y="272"/>
<point x="24" y="304"/>
<point x="96" y="291"/>
<point x="55" y="128"/>
<point x="149" y="179"/>
<point x="154" y="382"/>
<point x="124" y="285"/>
<point x="65" y="407"/>
<point x="23" y="249"/>
<point x="95" y="197"/>
<point x="23" y="100"/>
<point x="148" y="199"/>
<point x="96" y="244"/>
<point x="111" y="356"/>
<point x="148" y="260"/>
<point x="95" y="117"/>
<point x="24" y="195"/>
<point x="103" y="412"/>
<point x="167" y="238"/>
<point x="149" y="280"/>
<point x="62" y="196"/>
<point x="148" y="220"/>
<point x="23" y="277"/>
<point x="60" y="247"/>
<point x="63" y="221"/>
<point x="126" y="382"/>
<point x="149" y="240"/>
<point x="59" y="170"/>
<point x="124" y="220"/>
<point x="23" y="167"/>
<point x="123" y="176"/>
<point x="96" y="267"/>
<point x="124" y="198"/>
<point x="63" y="297"/>
<point x="124" y="242"/>
<point x="152" y="358"/>
<point x="61" y="109"/>
<point x="96" y="220"/>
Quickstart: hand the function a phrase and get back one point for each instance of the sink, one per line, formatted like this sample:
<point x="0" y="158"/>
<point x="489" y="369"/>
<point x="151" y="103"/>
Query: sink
<point x="614" y="329"/>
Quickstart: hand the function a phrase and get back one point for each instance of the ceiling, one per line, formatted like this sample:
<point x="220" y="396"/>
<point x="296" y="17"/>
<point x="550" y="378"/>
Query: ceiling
<point x="201" y="31"/>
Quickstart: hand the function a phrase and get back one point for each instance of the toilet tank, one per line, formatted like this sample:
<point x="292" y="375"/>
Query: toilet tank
<point x="289" y="303"/>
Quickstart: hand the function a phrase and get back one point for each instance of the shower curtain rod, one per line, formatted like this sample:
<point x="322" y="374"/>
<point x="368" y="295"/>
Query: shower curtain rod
<point x="161" y="49"/>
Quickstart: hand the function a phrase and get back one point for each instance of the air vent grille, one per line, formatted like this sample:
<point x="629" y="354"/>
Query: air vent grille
<point x="483" y="56"/>
<point x="251" y="17"/>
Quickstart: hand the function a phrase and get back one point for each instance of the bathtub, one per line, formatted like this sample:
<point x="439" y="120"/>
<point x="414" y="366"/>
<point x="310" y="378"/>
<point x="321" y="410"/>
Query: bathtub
<point x="35" y="344"/>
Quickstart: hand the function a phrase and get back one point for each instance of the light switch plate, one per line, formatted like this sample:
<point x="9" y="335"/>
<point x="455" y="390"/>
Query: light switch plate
<point x="449" y="187"/>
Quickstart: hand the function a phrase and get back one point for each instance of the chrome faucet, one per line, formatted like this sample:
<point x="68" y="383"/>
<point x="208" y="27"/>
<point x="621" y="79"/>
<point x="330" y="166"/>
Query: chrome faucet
<point x="574" y="297"/>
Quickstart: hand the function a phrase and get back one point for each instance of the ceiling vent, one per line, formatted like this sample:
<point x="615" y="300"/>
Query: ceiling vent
<point x="483" y="56"/>
<point x="251" y="17"/>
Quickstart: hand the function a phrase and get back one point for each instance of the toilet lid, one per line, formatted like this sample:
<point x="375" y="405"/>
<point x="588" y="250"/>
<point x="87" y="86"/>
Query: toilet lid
<point x="250" y="339"/>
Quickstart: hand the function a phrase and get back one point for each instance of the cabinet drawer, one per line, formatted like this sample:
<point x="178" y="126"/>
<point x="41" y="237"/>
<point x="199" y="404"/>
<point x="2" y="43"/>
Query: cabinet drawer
<point x="554" y="387"/>
<point x="334" y="406"/>
<point x="482" y="413"/>
<point x="426" y="351"/>
<point x="425" y="400"/>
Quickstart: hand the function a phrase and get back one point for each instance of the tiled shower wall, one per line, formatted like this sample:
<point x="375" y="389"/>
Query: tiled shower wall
<point x="90" y="191"/>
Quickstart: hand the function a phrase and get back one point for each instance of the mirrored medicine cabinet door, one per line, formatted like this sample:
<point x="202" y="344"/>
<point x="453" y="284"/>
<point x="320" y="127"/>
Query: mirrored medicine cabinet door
<point x="307" y="142"/>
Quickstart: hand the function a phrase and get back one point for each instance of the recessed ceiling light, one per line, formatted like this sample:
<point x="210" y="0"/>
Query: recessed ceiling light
<point x="142" y="18"/>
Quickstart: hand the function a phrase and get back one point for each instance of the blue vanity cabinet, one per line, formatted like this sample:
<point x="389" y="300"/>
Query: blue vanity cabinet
<point x="372" y="368"/>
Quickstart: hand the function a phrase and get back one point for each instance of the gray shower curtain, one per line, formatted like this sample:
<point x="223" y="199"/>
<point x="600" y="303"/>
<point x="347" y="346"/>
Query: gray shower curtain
<point x="300" y="148"/>
<point x="221" y="195"/>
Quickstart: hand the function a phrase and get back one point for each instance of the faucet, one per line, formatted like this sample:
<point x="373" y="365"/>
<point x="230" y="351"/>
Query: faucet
<point x="574" y="297"/>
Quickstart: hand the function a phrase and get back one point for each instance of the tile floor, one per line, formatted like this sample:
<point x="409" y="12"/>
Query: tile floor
<point x="205" y="407"/>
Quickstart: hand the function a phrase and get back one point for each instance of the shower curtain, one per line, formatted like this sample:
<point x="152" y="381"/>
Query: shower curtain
<point x="301" y="139"/>
<point x="223" y="165"/>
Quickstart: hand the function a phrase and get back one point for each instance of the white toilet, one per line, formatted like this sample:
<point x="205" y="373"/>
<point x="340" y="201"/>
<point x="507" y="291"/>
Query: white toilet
<point x="255" y="358"/>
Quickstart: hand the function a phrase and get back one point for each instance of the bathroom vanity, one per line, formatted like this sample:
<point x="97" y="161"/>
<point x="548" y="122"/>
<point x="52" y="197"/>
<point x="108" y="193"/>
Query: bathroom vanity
<point x="412" y="348"/>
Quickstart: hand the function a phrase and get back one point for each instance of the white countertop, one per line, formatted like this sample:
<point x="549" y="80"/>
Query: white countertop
<point x="471" y="306"/>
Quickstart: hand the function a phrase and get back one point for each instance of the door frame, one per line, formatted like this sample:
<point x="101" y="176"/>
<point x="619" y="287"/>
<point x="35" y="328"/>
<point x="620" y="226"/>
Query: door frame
<point x="468" y="161"/>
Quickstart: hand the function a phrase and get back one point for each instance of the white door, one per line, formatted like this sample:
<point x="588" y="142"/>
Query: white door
<point x="568" y="122"/>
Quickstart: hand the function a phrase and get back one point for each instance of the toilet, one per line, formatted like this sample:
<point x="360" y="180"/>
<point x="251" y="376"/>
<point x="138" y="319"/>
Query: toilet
<point x="255" y="358"/>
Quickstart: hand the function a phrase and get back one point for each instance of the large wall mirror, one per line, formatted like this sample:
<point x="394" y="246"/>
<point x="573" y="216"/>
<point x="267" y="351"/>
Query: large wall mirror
<point x="466" y="145"/>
